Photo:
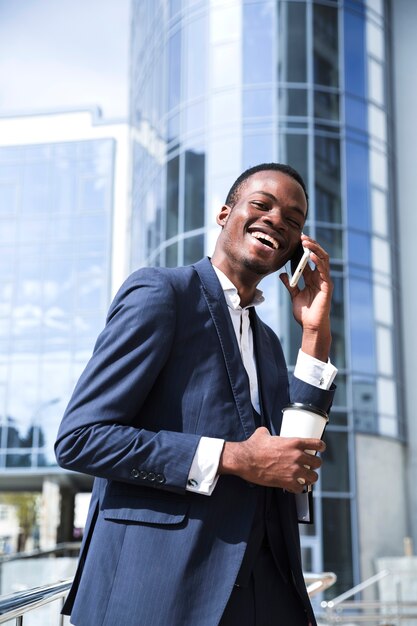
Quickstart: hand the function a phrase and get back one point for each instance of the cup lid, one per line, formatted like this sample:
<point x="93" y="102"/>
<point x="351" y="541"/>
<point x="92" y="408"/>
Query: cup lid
<point x="300" y="406"/>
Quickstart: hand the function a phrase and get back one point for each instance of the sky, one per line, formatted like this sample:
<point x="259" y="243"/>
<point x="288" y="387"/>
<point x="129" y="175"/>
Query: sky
<point x="64" y="54"/>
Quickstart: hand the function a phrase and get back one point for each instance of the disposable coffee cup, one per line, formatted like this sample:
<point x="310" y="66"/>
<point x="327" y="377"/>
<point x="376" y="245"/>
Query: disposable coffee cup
<point x="303" y="420"/>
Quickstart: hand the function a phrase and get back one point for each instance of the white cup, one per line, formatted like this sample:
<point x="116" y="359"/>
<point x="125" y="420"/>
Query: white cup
<point x="303" y="420"/>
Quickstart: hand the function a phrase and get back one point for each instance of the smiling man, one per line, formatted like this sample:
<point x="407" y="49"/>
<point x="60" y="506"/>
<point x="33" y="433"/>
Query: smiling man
<point x="193" y="518"/>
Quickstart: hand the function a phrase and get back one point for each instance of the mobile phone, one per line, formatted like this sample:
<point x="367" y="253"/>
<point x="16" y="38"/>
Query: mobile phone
<point x="298" y="263"/>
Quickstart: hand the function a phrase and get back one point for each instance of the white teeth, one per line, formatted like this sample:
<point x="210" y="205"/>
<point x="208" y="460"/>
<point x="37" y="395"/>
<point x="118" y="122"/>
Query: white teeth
<point x="265" y="237"/>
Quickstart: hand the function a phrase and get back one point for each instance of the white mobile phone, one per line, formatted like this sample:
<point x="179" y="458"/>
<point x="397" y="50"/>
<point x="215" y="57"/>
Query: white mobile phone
<point x="300" y="267"/>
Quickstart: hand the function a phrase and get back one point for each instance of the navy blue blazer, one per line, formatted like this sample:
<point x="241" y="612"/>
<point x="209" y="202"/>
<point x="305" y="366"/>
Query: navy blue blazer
<point x="165" y="371"/>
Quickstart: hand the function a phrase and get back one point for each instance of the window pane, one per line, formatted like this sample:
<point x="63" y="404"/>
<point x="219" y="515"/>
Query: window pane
<point x="294" y="151"/>
<point x="337" y="543"/>
<point x="357" y="166"/>
<point x="292" y="102"/>
<point x="362" y="326"/>
<point x="258" y="60"/>
<point x="326" y="57"/>
<point x="193" y="249"/>
<point x="172" y="197"/>
<point x="292" y="42"/>
<point x="335" y="468"/>
<point x="327" y="163"/>
<point x="194" y="187"/>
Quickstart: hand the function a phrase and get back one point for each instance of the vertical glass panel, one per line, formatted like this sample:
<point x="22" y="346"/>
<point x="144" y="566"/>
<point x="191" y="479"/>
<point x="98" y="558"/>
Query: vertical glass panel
<point x="8" y="198"/>
<point x="193" y="249"/>
<point x="377" y="123"/>
<point x="362" y="326"/>
<point x="337" y="316"/>
<point x="331" y="240"/>
<point x="375" y="40"/>
<point x="292" y="102"/>
<point x="258" y="103"/>
<point x="172" y="197"/>
<point x="364" y="399"/>
<point x="326" y="56"/>
<point x="387" y="426"/>
<point x="171" y="255"/>
<point x="257" y="148"/>
<point x="174" y="70"/>
<point x="378" y="169"/>
<point x="258" y="60"/>
<point x="354" y="38"/>
<point x="357" y="168"/>
<point x="326" y="105"/>
<point x="335" y="468"/>
<point x="292" y="38"/>
<point x="327" y="164"/>
<point x="337" y="544"/>
<point x="359" y="247"/>
<point x="383" y="305"/>
<point x="225" y="60"/>
<point x="356" y="113"/>
<point x="194" y="188"/>
<point x="375" y="82"/>
<point x="196" y="66"/>
<point x="381" y="255"/>
<point x="387" y="397"/>
<point x="384" y="351"/>
<point x="379" y="212"/>
<point x="294" y="151"/>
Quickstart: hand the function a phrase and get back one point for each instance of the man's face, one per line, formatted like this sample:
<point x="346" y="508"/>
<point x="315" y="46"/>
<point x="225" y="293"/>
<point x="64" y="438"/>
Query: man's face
<point x="262" y="230"/>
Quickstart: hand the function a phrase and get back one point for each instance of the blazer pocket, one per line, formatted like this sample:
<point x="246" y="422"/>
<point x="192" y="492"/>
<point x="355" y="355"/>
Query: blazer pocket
<point x="144" y="510"/>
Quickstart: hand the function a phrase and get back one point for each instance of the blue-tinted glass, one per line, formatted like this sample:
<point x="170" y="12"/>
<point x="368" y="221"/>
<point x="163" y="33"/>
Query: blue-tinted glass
<point x="257" y="149"/>
<point x="359" y="249"/>
<point x="193" y="249"/>
<point x="8" y="198"/>
<point x="337" y="544"/>
<point x="362" y="326"/>
<point x="364" y="404"/>
<point x="196" y="66"/>
<point x="335" y="471"/>
<point x="326" y="57"/>
<point x="292" y="102"/>
<point x="194" y="190"/>
<point x="292" y="39"/>
<point x="172" y="197"/>
<point x="337" y="316"/>
<point x="174" y="74"/>
<point x="294" y="151"/>
<point x="355" y="53"/>
<point x="357" y="175"/>
<point x="257" y="103"/>
<point x="331" y="239"/>
<point x="356" y="114"/>
<point x="258" y="61"/>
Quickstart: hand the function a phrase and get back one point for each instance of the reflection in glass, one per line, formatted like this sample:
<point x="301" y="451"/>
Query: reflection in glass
<point x="354" y="40"/>
<point x="326" y="56"/>
<point x="174" y="71"/>
<point x="195" y="61"/>
<point x="291" y="38"/>
<point x="364" y="404"/>
<point x="172" y="197"/>
<point x="335" y="468"/>
<point x="194" y="188"/>
<point x="292" y="102"/>
<point x="359" y="248"/>
<point x="337" y="543"/>
<point x="337" y="316"/>
<point x="328" y="192"/>
<point x="362" y="326"/>
<point x="332" y="241"/>
<point x="294" y="151"/>
<point x="193" y="249"/>
<point x="257" y="103"/>
<point x="326" y="105"/>
<point x="257" y="148"/>
<point x="258" y="60"/>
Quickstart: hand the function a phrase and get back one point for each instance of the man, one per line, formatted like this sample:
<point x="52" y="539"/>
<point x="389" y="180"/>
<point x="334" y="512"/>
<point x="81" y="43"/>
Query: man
<point x="192" y="518"/>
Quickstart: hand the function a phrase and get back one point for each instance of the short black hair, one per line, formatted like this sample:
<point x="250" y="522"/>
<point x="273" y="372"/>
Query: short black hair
<point x="234" y="191"/>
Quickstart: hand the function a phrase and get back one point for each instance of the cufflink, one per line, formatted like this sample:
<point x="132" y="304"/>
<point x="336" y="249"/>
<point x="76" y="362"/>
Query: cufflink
<point x="191" y="482"/>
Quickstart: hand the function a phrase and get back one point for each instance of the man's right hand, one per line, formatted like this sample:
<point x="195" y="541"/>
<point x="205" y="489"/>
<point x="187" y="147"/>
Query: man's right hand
<point x="273" y="461"/>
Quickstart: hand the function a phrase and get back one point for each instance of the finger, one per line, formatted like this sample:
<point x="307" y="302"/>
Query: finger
<point x="317" y="445"/>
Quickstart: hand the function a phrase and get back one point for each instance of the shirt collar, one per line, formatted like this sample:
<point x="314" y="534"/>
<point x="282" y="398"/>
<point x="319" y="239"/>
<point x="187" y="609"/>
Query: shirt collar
<point x="231" y="293"/>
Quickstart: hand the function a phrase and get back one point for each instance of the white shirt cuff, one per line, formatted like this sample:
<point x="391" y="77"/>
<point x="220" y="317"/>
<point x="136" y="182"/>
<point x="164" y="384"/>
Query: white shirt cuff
<point x="314" y="372"/>
<point x="203" y="477"/>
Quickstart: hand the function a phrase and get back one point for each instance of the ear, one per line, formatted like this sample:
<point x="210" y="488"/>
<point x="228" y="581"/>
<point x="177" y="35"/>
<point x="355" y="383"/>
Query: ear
<point x="223" y="216"/>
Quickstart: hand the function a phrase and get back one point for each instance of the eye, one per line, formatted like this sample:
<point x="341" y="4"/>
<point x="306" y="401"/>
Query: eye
<point x="294" y="223"/>
<point x="260" y="205"/>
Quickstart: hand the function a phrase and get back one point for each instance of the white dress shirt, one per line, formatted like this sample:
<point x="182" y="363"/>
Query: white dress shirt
<point x="203" y="476"/>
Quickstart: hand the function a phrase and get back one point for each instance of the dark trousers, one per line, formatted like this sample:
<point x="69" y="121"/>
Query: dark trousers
<point x="267" y="600"/>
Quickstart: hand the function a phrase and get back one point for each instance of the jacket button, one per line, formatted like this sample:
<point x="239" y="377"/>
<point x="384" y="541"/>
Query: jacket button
<point x="134" y="473"/>
<point x="151" y="477"/>
<point x="143" y="475"/>
<point x="160" y="478"/>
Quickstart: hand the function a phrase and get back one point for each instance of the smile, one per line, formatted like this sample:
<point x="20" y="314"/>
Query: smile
<point x="266" y="239"/>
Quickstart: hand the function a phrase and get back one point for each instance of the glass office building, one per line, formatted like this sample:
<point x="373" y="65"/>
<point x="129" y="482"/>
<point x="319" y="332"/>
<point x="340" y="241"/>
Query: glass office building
<point x="221" y="85"/>
<point x="63" y="203"/>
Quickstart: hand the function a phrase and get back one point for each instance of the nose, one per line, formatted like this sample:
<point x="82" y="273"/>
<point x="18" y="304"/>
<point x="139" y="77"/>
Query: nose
<point x="275" y="219"/>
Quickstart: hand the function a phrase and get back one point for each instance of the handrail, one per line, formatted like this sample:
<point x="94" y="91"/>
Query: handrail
<point x="363" y="585"/>
<point x="17" y="604"/>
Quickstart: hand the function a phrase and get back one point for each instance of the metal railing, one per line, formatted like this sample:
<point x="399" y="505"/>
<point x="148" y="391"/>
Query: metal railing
<point x="16" y="605"/>
<point x="344" y="610"/>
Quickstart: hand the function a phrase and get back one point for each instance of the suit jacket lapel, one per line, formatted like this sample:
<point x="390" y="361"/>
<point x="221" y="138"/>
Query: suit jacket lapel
<point x="268" y="375"/>
<point x="213" y="293"/>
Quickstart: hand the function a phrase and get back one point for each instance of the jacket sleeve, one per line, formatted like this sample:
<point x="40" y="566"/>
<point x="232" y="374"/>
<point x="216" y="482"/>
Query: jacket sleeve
<point x="100" y="433"/>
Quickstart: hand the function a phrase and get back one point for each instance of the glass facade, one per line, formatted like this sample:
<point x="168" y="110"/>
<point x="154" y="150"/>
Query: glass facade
<point x="55" y="242"/>
<point x="221" y="86"/>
